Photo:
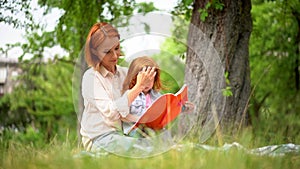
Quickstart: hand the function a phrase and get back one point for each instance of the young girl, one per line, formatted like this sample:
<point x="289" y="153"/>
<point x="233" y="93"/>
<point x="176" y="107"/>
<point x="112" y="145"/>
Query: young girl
<point x="147" y="96"/>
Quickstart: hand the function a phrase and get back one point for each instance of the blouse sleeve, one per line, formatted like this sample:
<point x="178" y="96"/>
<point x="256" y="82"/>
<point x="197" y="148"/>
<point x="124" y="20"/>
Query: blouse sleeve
<point x="108" y="101"/>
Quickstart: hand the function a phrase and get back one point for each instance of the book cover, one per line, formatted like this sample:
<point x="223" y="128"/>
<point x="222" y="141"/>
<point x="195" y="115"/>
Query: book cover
<point x="163" y="110"/>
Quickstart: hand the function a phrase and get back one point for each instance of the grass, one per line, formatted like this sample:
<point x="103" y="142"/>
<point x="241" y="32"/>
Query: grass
<point x="16" y="155"/>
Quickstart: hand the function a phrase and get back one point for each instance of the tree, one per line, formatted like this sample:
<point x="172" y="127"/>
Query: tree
<point x="218" y="42"/>
<point x="12" y="10"/>
<point x="274" y="58"/>
<point x="41" y="100"/>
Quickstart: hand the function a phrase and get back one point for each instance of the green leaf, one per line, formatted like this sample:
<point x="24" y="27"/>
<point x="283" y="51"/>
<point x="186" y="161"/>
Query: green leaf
<point x="187" y="2"/>
<point x="208" y="5"/>
<point x="219" y="6"/>
<point x="203" y="15"/>
<point x="227" y="91"/>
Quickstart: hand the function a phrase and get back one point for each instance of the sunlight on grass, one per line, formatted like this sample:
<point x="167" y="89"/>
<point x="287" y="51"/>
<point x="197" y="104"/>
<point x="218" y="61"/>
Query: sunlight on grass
<point x="57" y="154"/>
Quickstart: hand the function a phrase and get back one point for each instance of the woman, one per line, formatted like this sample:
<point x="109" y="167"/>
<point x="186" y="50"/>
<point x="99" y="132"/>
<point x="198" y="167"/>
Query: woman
<point x="104" y="106"/>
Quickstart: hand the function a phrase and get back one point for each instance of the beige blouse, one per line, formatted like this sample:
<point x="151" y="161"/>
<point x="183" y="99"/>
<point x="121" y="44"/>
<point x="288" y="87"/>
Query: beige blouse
<point x="103" y="103"/>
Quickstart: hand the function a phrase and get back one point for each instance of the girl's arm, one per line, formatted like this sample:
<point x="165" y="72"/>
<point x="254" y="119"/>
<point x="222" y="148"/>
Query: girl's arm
<point x="144" y="78"/>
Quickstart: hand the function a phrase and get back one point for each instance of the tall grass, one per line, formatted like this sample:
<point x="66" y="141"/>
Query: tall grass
<point x="61" y="154"/>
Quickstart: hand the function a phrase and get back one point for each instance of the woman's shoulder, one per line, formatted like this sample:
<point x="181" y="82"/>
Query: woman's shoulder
<point x="89" y="73"/>
<point x="89" y="70"/>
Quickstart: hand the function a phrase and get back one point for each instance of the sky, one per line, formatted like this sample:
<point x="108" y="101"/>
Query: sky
<point x="10" y="35"/>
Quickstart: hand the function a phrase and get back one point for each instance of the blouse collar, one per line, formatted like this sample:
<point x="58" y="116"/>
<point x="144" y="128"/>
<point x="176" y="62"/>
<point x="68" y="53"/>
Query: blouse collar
<point x="104" y="72"/>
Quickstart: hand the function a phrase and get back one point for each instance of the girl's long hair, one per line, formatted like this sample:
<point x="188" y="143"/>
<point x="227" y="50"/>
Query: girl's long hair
<point x="135" y="67"/>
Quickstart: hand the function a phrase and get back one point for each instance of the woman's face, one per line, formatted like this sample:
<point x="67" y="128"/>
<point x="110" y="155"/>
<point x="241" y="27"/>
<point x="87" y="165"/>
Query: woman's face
<point x="109" y="52"/>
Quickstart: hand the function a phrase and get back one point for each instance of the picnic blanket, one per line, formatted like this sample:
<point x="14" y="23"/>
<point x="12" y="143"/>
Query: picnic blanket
<point x="269" y="150"/>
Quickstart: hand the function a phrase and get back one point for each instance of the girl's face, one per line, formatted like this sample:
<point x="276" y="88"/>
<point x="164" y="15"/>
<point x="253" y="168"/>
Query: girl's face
<point x="147" y="89"/>
<point x="109" y="52"/>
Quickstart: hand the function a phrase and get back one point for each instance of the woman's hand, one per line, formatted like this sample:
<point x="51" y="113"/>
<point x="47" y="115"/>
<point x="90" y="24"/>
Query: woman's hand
<point x="145" y="77"/>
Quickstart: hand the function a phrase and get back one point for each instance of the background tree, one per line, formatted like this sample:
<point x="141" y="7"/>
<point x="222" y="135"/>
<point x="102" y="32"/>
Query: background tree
<point x="274" y="59"/>
<point x="12" y="12"/>
<point x="218" y="29"/>
<point x="274" y="54"/>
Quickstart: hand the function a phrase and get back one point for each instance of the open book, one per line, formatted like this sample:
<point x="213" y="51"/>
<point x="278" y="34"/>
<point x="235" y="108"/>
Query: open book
<point x="163" y="110"/>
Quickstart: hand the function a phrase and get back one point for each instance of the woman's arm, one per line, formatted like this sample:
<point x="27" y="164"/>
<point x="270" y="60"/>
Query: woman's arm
<point x="100" y="99"/>
<point x="95" y="91"/>
<point x="130" y="118"/>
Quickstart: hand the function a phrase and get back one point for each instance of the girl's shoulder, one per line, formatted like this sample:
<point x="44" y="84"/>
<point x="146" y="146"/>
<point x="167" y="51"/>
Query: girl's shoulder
<point x="155" y="93"/>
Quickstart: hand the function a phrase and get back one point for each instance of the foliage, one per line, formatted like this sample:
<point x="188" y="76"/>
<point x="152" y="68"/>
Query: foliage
<point x="42" y="101"/>
<point x="215" y="4"/>
<point x="12" y="11"/>
<point x="172" y="71"/>
<point x="80" y="15"/>
<point x="171" y="59"/>
<point x="227" y="91"/>
<point x="184" y="8"/>
<point x="274" y="41"/>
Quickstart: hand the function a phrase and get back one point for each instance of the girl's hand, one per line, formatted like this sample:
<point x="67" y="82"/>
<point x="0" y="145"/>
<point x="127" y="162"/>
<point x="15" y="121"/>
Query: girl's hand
<point x="145" y="77"/>
<point x="188" y="107"/>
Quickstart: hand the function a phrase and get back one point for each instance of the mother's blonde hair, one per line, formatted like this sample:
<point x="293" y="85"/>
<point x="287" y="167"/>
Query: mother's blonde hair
<point x="135" y="67"/>
<point x="96" y="36"/>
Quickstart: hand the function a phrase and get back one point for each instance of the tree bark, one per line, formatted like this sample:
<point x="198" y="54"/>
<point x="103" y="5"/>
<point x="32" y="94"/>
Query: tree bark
<point x="215" y="46"/>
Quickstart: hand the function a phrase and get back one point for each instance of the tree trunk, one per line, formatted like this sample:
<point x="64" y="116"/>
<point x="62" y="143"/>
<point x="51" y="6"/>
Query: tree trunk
<point x="215" y="46"/>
